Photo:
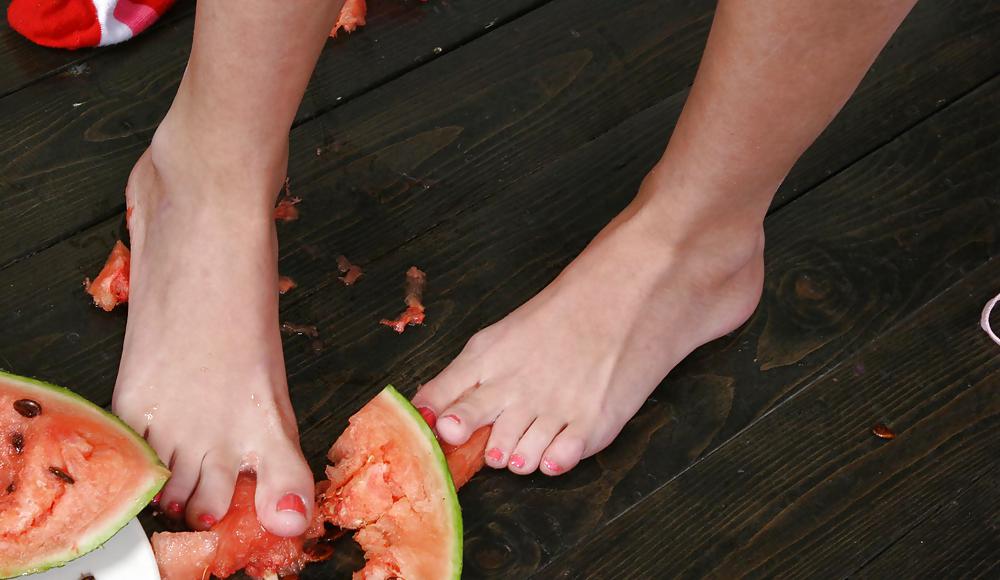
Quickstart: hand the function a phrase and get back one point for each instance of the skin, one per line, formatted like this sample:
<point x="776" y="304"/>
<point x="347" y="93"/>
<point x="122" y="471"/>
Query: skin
<point x="558" y="378"/>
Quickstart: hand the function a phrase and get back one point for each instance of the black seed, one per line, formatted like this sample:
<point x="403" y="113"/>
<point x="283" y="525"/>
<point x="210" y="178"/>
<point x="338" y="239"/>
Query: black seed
<point x="11" y="488"/>
<point x="87" y="577"/>
<point x="27" y="408"/>
<point x="62" y="475"/>
<point x="17" y="440"/>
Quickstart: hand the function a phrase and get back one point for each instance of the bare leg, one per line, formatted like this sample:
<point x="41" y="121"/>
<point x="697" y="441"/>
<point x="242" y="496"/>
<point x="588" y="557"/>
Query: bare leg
<point x="558" y="377"/>
<point x="202" y="372"/>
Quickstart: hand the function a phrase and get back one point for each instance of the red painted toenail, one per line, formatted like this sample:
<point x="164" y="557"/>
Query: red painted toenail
<point x="207" y="520"/>
<point x="428" y="415"/>
<point x="156" y="499"/>
<point x="291" y="502"/>
<point x="494" y="455"/>
<point x="175" y="508"/>
<point x="551" y="466"/>
<point x="453" y="418"/>
<point x="516" y="461"/>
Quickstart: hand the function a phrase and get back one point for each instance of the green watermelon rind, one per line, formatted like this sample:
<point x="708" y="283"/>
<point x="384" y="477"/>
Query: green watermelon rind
<point x="454" y="509"/>
<point x="158" y="474"/>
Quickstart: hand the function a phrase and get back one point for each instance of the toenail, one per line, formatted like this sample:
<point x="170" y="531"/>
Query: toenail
<point x="516" y="461"/>
<point x="175" y="508"/>
<point x="207" y="520"/>
<point x="551" y="466"/>
<point x="494" y="455"/>
<point x="428" y="415"/>
<point x="156" y="499"/>
<point x="291" y="502"/>
<point x="453" y="418"/>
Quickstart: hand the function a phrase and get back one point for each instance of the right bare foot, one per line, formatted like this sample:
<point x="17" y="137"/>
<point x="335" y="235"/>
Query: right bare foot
<point x="202" y="373"/>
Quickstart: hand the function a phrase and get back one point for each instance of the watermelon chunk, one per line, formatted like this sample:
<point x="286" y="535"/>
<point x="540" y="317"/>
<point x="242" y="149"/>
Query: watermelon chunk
<point x="71" y="475"/>
<point x="389" y="481"/>
<point x="236" y="543"/>
<point x="111" y="286"/>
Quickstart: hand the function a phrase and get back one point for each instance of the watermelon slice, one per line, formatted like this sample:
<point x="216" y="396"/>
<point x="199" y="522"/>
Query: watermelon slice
<point x="389" y="481"/>
<point x="71" y="475"/>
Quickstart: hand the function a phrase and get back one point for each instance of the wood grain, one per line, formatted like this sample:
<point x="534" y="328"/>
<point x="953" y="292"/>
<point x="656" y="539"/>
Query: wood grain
<point x="71" y="139"/>
<point x="960" y="540"/>
<point x="808" y="491"/>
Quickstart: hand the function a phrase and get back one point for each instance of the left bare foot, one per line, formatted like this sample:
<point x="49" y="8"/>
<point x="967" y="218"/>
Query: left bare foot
<point x="561" y="375"/>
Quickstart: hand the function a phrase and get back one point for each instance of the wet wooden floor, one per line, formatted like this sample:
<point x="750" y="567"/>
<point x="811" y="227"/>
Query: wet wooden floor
<point x="486" y="142"/>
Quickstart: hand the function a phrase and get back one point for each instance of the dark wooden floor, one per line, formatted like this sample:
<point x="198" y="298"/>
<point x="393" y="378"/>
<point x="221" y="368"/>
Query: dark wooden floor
<point x="487" y="142"/>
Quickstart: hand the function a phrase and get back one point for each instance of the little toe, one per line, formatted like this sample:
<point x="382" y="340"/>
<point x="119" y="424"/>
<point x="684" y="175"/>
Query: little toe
<point x="564" y="452"/>
<point x="528" y="451"/>
<point x="284" y="496"/>
<point x="507" y="431"/>
<point x="476" y="408"/>
<point x="212" y="497"/>
<point x="444" y="389"/>
<point x="184" y="472"/>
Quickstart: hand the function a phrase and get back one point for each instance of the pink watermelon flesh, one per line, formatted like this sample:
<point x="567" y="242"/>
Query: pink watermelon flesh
<point x="364" y="486"/>
<point x="71" y="475"/>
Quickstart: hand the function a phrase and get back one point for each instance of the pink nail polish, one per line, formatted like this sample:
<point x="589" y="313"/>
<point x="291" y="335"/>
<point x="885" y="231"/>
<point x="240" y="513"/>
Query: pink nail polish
<point x="175" y="508"/>
<point x="494" y="455"/>
<point x="291" y="502"/>
<point x="156" y="499"/>
<point x="428" y="415"/>
<point x="453" y="418"/>
<point x="207" y="520"/>
<point x="551" y="466"/>
<point x="516" y="461"/>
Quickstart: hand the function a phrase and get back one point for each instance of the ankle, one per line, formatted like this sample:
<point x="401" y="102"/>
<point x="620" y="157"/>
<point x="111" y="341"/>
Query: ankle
<point x="718" y="248"/>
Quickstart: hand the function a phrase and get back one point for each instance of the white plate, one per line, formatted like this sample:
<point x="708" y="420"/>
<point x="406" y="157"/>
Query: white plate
<point x="126" y="556"/>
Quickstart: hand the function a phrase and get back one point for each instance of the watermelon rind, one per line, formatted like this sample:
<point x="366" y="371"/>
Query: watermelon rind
<point x="158" y="475"/>
<point x="454" y="509"/>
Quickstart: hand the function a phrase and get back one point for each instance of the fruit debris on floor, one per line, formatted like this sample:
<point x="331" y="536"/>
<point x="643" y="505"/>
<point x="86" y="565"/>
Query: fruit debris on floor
<point x="110" y="287"/>
<point x="414" y="314"/>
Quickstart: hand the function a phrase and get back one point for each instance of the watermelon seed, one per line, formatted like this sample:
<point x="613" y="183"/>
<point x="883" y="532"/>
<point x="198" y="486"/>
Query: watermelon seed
<point x="11" y="488"/>
<point x="62" y="475"/>
<point x="87" y="577"/>
<point x="17" y="440"/>
<point x="27" y="408"/>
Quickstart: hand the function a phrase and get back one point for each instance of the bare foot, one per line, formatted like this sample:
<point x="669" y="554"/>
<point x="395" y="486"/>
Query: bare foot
<point x="202" y="373"/>
<point x="561" y="375"/>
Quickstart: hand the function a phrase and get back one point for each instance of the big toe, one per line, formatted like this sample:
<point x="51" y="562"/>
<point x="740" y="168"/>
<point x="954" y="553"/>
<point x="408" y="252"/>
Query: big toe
<point x="214" y="493"/>
<point x="478" y="407"/>
<point x="285" y="489"/>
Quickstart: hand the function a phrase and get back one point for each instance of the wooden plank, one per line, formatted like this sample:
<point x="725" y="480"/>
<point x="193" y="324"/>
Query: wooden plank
<point x="958" y="541"/>
<point x="846" y="263"/>
<point x="24" y="62"/>
<point x="70" y="141"/>
<point x="562" y="76"/>
<point x="809" y="491"/>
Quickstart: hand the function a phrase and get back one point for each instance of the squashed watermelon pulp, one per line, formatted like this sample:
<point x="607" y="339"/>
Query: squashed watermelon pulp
<point x="71" y="475"/>
<point x="389" y="480"/>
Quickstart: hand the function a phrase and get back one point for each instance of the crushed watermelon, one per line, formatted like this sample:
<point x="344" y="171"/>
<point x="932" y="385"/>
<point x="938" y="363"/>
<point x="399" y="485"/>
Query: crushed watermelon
<point x="361" y="489"/>
<point x="414" y="314"/>
<point x="352" y="15"/>
<point x="237" y="542"/>
<point x="110" y="287"/>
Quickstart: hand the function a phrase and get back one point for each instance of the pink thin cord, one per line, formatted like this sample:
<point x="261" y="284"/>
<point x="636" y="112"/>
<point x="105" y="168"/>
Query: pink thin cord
<point x="984" y="321"/>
